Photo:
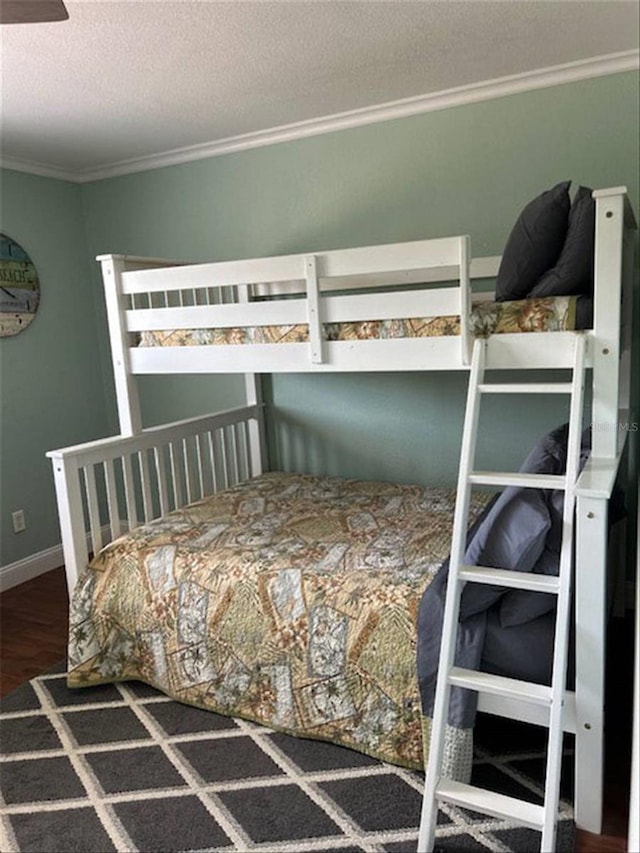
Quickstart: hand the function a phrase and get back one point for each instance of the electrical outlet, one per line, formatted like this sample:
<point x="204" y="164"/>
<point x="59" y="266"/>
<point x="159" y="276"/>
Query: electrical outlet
<point x="19" y="521"/>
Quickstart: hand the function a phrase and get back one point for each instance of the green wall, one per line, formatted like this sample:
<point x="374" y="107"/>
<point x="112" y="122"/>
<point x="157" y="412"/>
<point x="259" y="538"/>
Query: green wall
<point x="464" y="170"/>
<point x="51" y="392"/>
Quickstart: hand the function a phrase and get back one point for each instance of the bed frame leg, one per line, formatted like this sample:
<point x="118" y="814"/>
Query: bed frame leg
<point x="69" y="498"/>
<point x="257" y="438"/>
<point x="591" y="605"/>
<point x="127" y="397"/>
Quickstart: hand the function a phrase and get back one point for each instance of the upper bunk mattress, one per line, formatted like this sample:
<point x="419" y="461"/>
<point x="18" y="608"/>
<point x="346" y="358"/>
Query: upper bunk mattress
<point x="288" y="599"/>
<point x="545" y="314"/>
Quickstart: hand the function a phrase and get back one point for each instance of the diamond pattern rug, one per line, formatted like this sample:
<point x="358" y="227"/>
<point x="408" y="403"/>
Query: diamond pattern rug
<point x="124" y="768"/>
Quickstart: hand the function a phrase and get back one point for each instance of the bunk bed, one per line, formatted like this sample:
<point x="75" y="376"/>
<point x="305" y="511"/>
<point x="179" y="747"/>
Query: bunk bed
<point x="315" y="594"/>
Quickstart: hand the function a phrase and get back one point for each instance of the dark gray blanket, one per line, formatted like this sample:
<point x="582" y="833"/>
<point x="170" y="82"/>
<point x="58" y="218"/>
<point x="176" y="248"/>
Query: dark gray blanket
<point x="521" y="529"/>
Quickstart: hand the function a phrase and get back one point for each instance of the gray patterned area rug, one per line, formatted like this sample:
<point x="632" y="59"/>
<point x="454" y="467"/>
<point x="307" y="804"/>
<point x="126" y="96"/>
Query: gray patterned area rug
<point x="123" y="768"/>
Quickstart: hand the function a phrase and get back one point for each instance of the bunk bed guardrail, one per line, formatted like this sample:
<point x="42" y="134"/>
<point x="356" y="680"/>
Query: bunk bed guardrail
<point x="341" y="286"/>
<point x="107" y="487"/>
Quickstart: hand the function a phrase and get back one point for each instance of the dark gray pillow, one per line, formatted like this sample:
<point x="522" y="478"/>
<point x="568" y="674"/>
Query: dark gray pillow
<point x="572" y="275"/>
<point x="534" y="244"/>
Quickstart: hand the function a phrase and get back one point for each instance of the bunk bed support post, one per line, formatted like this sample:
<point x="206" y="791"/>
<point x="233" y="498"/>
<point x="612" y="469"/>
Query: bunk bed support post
<point x="590" y="639"/>
<point x="127" y="398"/>
<point x="613" y="270"/>
<point x="70" y="509"/>
<point x="256" y="428"/>
<point x="466" y="338"/>
<point x="253" y="396"/>
<point x="606" y="321"/>
<point x="313" y="310"/>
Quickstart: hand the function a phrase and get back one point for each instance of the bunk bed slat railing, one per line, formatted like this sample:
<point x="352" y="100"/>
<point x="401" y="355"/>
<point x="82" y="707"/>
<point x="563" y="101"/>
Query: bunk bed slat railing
<point x="230" y="456"/>
<point x="479" y="268"/>
<point x="383" y="262"/>
<point x="241" y="450"/>
<point x="179" y="297"/>
<point x="213" y="458"/>
<point x="112" y="498"/>
<point x="161" y="480"/>
<point x="193" y="474"/>
<point x="145" y="484"/>
<point x="222" y="274"/>
<point x="115" y="484"/>
<point x="129" y="493"/>
<point x="335" y="309"/>
<point x="390" y="258"/>
<point x="92" y="506"/>
<point x="175" y="475"/>
<point x="201" y="466"/>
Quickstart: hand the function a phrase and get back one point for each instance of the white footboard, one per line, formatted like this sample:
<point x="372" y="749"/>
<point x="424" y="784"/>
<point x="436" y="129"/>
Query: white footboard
<point x="106" y="487"/>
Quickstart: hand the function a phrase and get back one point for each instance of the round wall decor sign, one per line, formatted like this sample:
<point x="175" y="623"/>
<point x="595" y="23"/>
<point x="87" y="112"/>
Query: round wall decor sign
<point x="19" y="288"/>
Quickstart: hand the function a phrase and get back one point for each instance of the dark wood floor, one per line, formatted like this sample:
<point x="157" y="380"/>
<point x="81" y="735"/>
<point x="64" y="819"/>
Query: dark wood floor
<point x="33" y="633"/>
<point x="33" y="628"/>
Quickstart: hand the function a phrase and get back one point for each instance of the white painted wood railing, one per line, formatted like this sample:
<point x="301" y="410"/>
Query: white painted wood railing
<point x="112" y="485"/>
<point x="423" y="278"/>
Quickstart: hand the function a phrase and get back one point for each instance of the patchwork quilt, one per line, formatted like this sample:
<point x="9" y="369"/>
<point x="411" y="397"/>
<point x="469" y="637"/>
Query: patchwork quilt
<point x="289" y="599"/>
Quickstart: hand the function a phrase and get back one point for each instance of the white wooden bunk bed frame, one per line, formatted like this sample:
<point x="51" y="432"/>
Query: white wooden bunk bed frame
<point x="165" y="467"/>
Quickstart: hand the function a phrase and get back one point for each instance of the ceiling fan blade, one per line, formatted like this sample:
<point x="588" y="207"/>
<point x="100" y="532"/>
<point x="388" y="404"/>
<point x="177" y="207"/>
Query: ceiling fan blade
<point x="32" y="11"/>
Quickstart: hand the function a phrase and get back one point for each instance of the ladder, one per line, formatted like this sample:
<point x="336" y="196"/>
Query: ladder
<point x="437" y="788"/>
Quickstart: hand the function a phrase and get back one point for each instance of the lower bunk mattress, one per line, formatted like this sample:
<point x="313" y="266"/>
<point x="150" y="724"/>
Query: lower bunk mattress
<point x="290" y="600"/>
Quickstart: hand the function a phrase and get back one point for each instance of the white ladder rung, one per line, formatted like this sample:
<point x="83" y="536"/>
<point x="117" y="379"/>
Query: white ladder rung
<point x="525" y="388"/>
<point x="498" y="685"/>
<point x="490" y="803"/>
<point x="510" y="579"/>
<point x="532" y="481"/>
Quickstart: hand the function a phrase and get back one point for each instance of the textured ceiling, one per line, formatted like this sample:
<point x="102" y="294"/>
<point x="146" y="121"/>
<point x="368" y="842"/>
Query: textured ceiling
<point x="123" y="80"/>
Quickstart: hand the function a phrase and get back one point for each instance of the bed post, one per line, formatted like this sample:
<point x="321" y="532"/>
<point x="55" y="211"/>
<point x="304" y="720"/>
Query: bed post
<point x="607" y="295"/>
<point x="466" y="338"/>
<point x="591" y="517"/>
<point x="71" y="514"/>
<point x="612" y="285"/>
<point x="590" y="640"/>
<point x="253" y="394"/>
<point x="127" y="398"/>
<point x="257" y="438"/>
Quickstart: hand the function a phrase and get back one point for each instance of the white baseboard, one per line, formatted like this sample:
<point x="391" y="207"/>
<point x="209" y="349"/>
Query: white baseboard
<point x="44" y="561"/>
<point x="30" y="567"/>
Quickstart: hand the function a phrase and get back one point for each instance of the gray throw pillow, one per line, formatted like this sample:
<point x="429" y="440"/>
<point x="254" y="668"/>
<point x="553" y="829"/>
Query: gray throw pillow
<point x="572" y="275"/>
<point x="534" y="244"/>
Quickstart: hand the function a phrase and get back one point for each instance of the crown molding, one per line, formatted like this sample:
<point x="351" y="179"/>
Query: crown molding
<point x="42" y="170"/>
<point x="500" y="87"/>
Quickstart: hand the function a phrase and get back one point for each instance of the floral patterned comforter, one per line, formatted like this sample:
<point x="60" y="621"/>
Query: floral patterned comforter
<point x="545" y="314"/>
<point x="289" y="599"/>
